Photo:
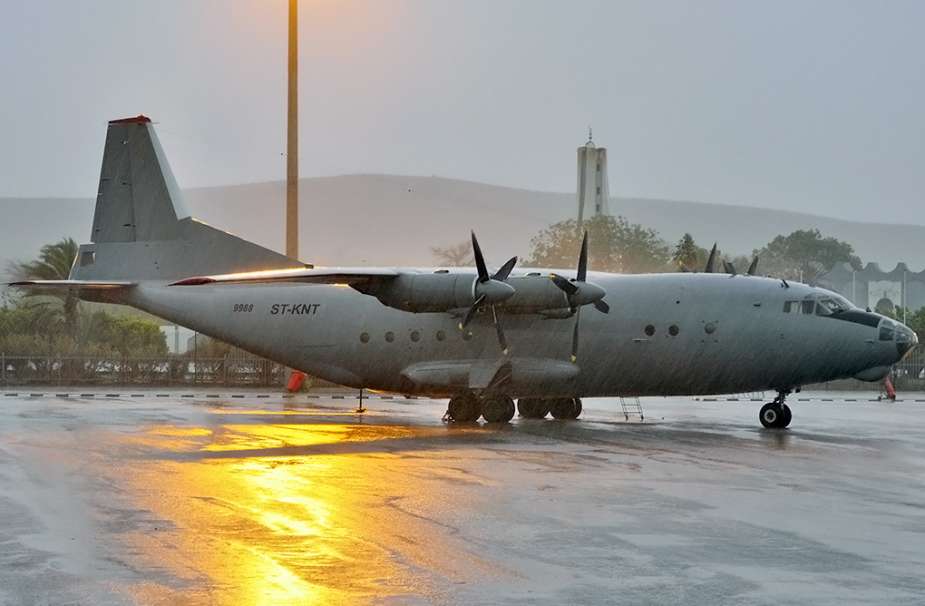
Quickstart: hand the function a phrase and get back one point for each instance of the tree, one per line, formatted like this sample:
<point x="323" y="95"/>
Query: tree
<point x="687" y="255"/>
<point x="54" y="263"/>
<point x="916" y="322"/>
<point x="457" y="255"/>
<point x="805" y="255"/>
<point x="615" y="245"/>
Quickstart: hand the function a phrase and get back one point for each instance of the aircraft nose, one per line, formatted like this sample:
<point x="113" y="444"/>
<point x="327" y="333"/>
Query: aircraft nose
<point x="906" y="340"/>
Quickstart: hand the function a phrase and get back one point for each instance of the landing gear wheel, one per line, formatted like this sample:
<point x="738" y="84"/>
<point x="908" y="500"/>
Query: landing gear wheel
<point x="532" y="408"/>
<point x="786" y="417"/>
<point x="464" y="408"/>
<point x="565" y="408"/>
<point x="775" y="415"/>
<point x="498" y="409"/>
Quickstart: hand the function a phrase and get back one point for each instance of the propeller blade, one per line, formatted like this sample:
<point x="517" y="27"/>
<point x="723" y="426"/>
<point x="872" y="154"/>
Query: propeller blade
<point x="729" y="268"/>
<point x="583" y="259"/>
<point x="708" y="269"/>
<point x="501" y="339"/>
<point x="575" y="336"/>
<point x="505" y="271"/>
<point x="479" y="260"/>
<point x="753" y="268"/>
<point x="564" y="284"/>
<point x="602" y="306"/>
<point x="469" y="314"/>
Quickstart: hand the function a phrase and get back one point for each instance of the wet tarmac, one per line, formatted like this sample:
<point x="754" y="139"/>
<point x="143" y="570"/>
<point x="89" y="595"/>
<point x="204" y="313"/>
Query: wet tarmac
<point x="260" y="500"/>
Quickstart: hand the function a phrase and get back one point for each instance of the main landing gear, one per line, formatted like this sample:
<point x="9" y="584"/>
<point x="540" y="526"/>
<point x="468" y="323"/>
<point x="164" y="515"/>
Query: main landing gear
<point x="495" y="408"/>
<point x="776" y="414"/>
<point x="559" y="408"/>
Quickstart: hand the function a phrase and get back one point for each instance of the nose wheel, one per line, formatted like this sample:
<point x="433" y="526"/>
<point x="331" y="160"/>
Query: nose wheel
<point x="776" y="414"/>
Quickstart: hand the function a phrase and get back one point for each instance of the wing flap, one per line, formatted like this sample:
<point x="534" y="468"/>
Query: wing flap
<point x="315" y="275"/>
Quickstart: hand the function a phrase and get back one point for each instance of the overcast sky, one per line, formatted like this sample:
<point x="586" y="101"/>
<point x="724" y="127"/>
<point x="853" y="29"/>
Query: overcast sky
<point x="801" y="105"/>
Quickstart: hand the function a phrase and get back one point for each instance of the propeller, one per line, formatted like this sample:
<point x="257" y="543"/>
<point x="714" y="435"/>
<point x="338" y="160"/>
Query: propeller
<point x="730" y="268"/>
<point x="489" y="289"/>
<point x="579" y="292"/>
<point x="712" y="258"/>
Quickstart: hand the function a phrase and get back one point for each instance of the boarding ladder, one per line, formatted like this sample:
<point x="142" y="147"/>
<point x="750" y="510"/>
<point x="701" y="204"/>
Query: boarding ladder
<point x="632" y="406"/>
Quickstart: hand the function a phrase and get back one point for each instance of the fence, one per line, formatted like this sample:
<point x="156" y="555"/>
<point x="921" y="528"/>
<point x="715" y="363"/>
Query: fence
<point x="78" y="370"/>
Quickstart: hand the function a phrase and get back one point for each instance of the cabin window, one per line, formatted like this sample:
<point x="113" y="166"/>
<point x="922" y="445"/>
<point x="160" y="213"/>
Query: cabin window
<point x="390" y="336"/>
<point x="441" y="335"/>
<point x="467" y="335"/>
<point x="709" y="328"/>
<point x="673" y="330"/>
<point x="808" y="306"/>
<point x="415" y="336"/>
<point x="364" y="337"/>
<point x="650" y="330"/>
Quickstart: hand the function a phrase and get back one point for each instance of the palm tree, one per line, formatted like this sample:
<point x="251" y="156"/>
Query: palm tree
<point x="54" y="263"/>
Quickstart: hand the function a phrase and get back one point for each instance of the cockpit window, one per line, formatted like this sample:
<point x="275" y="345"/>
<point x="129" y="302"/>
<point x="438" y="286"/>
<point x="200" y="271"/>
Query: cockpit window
<point x="808" y="306"/>
<point x="886" y="331"/>
<point x="791" y="307"/>
<point x="826" y="307"/>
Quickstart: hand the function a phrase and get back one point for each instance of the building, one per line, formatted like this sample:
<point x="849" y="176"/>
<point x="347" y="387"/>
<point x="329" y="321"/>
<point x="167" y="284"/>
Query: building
<point x="882" y="291"/>
<point x="593" y="191"/>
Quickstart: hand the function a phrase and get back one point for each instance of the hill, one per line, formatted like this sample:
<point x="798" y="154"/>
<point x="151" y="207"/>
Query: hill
<point x="394" y="220"/>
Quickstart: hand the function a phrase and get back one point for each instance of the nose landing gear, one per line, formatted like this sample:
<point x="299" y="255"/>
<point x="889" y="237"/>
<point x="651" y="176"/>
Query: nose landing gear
<point x="776" y="414"/>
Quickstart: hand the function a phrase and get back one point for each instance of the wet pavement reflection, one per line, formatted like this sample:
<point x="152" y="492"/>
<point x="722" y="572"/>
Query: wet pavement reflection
<point x="171" y="501"/>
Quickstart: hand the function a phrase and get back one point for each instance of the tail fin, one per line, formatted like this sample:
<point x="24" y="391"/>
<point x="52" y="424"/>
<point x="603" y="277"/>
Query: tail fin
<point x="141" y="228"/>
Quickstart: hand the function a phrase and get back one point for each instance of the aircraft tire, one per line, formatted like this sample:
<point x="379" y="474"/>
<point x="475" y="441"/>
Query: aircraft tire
<point x="786" y="417"/>
<point x="565" y="408"/>
<point x="532" y="408"/>
<point x="775" y="416"/>
<point x="464" y="408"/>
<point x="498" y="409"/>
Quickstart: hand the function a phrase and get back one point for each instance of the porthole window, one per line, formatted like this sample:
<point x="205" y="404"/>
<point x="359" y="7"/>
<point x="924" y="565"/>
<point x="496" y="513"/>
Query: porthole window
<point x="390" y="336"/>
<point x="415" y="336"/>
<point x="467" y="335"/>
<point x="709" y="328"/>
<point x="364" y="337"/>
<point x="441" y="335"/>
<point x="650" y="330"/>
<point x="673" y="330"/>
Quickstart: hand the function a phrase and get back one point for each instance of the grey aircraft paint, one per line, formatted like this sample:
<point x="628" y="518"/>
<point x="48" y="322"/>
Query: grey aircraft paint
<point x="665" y="334"/>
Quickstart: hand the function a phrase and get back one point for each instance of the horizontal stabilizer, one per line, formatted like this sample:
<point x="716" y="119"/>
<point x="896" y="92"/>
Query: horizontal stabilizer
<point x="317" y="275"/>
<point x="72" y="284"/>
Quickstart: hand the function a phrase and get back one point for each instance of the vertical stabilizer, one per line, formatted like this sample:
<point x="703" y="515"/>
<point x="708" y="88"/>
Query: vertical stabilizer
<point x="138" y="198"/>
<point x="141" y="228"/>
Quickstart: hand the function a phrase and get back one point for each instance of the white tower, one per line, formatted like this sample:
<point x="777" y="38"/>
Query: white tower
<point x="592" y="179"/>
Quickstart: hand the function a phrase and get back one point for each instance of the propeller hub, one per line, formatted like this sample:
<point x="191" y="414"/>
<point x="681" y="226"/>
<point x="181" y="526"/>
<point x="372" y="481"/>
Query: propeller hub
<point x="494" y="291"/>
<point x="587" y="293"/>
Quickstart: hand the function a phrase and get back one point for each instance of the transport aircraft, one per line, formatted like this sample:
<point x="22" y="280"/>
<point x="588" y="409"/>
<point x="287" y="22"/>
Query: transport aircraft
<point x="481" y="336"/>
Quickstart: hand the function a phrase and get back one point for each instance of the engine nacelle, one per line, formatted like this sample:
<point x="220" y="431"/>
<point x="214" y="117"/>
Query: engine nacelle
<point x="419" y="293"/>
<point x="444" y="292"/>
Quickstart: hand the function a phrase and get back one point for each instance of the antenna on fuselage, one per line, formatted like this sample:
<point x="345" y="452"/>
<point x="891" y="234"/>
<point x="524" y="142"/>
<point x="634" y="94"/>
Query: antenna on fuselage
<point x="753" y="268"/>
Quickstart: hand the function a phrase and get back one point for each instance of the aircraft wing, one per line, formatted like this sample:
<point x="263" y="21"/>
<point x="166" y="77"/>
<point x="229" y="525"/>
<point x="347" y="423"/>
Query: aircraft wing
<point x="73" y="284"/>
<point x="314" y="275"/>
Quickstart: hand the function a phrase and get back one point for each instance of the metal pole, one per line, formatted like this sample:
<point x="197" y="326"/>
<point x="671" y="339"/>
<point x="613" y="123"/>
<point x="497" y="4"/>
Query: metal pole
<point x="3" y="366"/>
<point x="292" y="138"/>
<point x="904" y="296"/>
<point x="854" y="286"/>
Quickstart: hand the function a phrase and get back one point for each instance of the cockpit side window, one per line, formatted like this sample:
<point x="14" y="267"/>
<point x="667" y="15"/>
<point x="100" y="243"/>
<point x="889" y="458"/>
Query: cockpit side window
<point x="886" y="331"/>
<point x="826" y="307"/>
<point x="808" y="306"/>
<point x="791" y="307"/>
